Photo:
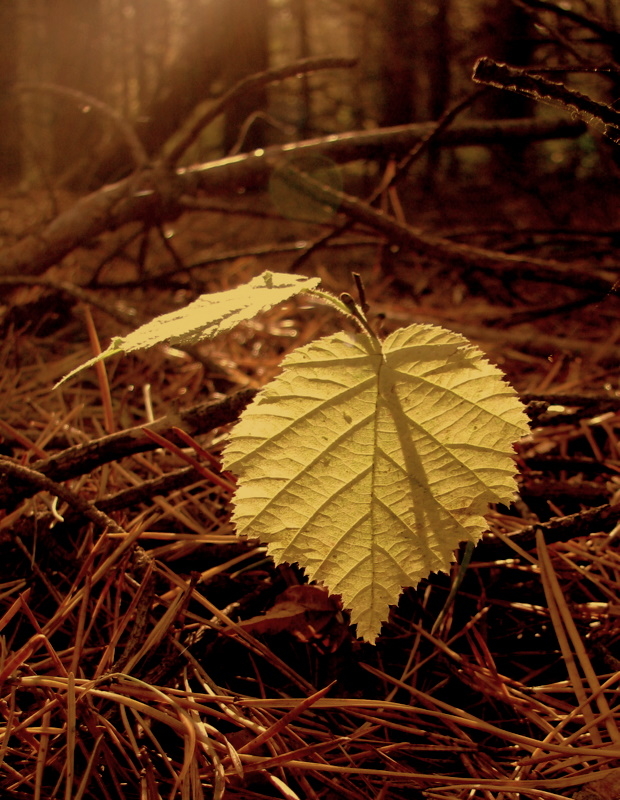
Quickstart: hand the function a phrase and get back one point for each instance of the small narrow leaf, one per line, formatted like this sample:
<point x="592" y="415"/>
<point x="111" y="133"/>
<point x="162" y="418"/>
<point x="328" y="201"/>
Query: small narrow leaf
<point x="367" y="463"/>
<point x="209" y="315"/>
<point x="112" y="350"/>
<point x="212" y="314"/>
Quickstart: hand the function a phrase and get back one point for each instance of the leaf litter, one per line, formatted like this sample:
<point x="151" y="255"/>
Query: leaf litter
<point x="128" y="671"/>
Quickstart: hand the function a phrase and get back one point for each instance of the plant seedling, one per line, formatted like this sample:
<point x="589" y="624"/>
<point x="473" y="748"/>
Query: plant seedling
<point x="366" y="461"/>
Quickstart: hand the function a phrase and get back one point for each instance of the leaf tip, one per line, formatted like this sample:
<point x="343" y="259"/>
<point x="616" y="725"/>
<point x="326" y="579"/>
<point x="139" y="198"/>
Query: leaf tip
<point x="114" y="348"/>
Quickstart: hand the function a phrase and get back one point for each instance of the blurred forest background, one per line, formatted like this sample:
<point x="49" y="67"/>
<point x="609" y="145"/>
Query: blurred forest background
<point x="152" y="61"/>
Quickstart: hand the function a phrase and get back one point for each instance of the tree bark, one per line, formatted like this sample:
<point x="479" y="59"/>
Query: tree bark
<point x="245" y="29"/>
<point x="74" y="30"/>
<point x="398" y="79"/>
<point x="10" y="129"/>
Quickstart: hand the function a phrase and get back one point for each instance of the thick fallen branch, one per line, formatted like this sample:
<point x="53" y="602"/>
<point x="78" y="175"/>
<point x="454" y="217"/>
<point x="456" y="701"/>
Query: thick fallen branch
<point x="254" y="169"/>
<point x="154" y="195"/>
<point x="534" y="269"/>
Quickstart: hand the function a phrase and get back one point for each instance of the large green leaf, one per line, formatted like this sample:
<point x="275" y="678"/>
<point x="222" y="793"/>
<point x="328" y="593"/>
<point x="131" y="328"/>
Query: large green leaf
<point x="209" y="315"/>
<point x="367" y="463"/>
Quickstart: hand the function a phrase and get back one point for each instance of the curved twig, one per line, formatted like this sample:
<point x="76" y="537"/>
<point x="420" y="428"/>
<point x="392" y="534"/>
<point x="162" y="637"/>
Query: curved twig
<point x="206" y="112"/>
<point x="125" y="128"/>
<point x="41" y="483"/>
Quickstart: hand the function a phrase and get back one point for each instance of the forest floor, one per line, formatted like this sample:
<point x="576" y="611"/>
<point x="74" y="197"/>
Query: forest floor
<point x="167" y="657"/>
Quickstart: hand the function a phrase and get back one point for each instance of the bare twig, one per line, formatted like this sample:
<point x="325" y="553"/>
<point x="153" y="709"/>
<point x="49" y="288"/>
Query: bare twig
<point x="400" y="172"/>
<point x="206" y="112"/>
<point x="503" y="76"/>
<point x="41" y="483"/>
<point x="81" y="459"/>
<point x="606" y="35"/>
<point x="127" y="131"/>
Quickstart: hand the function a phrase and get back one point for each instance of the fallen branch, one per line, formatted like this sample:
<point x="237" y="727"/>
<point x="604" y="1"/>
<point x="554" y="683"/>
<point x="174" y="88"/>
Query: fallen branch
<point x="154" y="195"/>
<point x="83" y="458"/>
<point x="601" y="519"/>
<point x="41" y="483"/>
<point x="534" y="269"/>
<point x="502" y="76"/>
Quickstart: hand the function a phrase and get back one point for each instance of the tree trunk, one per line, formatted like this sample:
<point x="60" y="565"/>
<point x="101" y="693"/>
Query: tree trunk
<point x="300" y="10"/>
<point x="506" y="36"/>
<point x="227" y="41"/>
<point x="245" y="30"/>
<point x="398" y="79"/>
<point x="10" y="132"/>
<point x="75" y="49"/>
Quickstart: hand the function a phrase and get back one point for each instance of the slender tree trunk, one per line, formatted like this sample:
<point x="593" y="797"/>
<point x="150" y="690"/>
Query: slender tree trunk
<point x="506" y="36"/>
<point x="75" y="31"/>
<point x="227" y="41"/>
<point x="10" y="130"/>
<point x="398" y="78"/>
<point x="438" y="59"/>
<point x="245" y="28"/>
<point x="301" y="13"/>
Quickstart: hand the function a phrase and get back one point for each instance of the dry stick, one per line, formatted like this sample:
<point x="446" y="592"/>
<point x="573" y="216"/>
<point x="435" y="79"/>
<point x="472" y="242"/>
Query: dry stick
<point x="123" y="499"/>
<point x="72" y="290"/>
<point x="127" y="131"/>
<point x="206" y="112"/>
<point x="446" y="119"/>
<point x="558" y="529"/>
<point x="148" y="489"/>
<point x="399" y="173"/>
<point x="41" y="483"/>
<point x="502" y="76"/>
<point x="81" y="459"/>
<point x="476" y="257"/>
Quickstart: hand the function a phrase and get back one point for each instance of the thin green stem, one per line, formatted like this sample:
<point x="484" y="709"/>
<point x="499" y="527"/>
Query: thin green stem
<point x="348" y="309"/>
<point x="469" y="549"/>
